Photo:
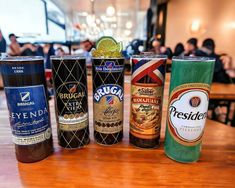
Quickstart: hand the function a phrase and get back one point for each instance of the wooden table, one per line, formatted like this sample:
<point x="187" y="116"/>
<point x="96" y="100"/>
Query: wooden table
<point x="120" y="165"/>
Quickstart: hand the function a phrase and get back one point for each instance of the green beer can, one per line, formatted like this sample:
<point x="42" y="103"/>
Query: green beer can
<point x="191" y="78"/>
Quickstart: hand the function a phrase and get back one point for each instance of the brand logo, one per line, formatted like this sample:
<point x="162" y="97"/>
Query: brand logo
<point x="109" y="66"/>
<point x="25" y="99"/>
<point x="187" y="113"/>
<point x="109" y="100"/>
<point x="146" y="91"/>
<point x="29" y="115"/>
<point x="70" y="91"/>
<point x="25" y="96"/>
<point x="109" y="89"/>
<point x="195" y="101"/>
<point x="73" y="88"/>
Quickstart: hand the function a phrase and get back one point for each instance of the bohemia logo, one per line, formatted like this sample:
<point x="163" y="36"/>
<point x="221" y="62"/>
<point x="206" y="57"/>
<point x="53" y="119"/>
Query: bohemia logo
<point x="109" y="100"/>
<point x="195" y="101"/>
<point x="108" y="89"/>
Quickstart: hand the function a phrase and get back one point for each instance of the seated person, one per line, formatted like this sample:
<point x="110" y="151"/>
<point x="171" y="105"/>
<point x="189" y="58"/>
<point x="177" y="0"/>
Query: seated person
<point x="191" y="47"/>
<point x="208" y="50"/>
<point x="179" y="50"/>
<point x="3" y="44"/>
<point x="159" y="49"/>
<point x="17" y="50"/>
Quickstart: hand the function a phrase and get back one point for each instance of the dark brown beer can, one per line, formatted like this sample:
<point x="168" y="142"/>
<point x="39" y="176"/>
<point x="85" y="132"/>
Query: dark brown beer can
<point x="29" y="115"/>
<point x="71" y="99"/>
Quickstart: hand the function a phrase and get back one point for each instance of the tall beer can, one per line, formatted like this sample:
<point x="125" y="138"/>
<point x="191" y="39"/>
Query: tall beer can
<point x="147" y="85"/>
<point x="26" y="94"/>
<point x="187" y="108"/>
<point x="108" y="95"/>
<point x="70" y="84"/>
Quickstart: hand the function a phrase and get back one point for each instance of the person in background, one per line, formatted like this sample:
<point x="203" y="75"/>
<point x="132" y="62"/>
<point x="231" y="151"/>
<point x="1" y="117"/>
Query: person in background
<point x="85" y="48"/>
<point x="59" y="51"/>
<point x="159" y="49"/>
<point x="17" y="50"/>
<point x="179" y="50"/>
<point x="217" y="109"/>
<point x="48" y="51"/>
<point x="156" y="46"/>
<point x="229" y="65"/>
<point x="3" y="44"/>
<point x="191" y="47"/>
<point x="208" y="50"/>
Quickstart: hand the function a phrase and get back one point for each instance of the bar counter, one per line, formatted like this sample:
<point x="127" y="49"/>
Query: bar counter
<point x="120" y="165"/>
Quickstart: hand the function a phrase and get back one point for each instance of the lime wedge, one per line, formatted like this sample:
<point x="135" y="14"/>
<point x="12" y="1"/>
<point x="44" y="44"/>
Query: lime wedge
<point x="119" y="47"/>
<point x="106" y="44"/>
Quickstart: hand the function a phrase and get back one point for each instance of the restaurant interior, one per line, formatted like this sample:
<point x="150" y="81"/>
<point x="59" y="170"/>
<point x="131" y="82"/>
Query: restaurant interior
<point x="194" y="42"/>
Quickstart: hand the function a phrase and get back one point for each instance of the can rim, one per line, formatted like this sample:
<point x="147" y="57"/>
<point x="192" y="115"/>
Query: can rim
<point x="67" y="57"/>
<point x="22" y="58"/>
<point x="193" y="59"/>
<point x="149" y="56"/>
<point x="107" y="58"/>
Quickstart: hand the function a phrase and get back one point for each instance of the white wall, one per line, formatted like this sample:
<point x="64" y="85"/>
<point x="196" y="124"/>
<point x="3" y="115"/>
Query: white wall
<point x="22" y="16"/>
<point x="215" y="16"/>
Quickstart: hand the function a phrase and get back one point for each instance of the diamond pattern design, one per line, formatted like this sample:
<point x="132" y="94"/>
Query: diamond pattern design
<point x="103" y="78"/>
<point x="71" y="71"/>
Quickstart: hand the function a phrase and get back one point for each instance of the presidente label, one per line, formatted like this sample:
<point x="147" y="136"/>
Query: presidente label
<point x="72" y="106"/>
<point x="29" y="115"/>
<point x="109" y="66"/>
<point x="187" y="112"/>
<point x="145" y="119"/>
<point x="108" y="108"/>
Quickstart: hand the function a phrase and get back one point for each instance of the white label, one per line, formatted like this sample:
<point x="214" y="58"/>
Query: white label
<point x="187" y="114"/>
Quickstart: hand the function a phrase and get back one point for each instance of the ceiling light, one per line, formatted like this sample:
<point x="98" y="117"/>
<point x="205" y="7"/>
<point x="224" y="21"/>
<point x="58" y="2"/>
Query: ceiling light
<point x="195" y="26"/>
<point x="110" y="11"/>
<point x="129" y="25"/>
<point x="231" y="25"/>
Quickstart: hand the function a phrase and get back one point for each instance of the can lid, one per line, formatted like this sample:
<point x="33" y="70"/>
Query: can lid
<point x="149" y="55"/>
<point x="67" y="57"/>
<point x="193" y="59"/>
<point x="107" y="58"/>
<point x="21" y="58"/>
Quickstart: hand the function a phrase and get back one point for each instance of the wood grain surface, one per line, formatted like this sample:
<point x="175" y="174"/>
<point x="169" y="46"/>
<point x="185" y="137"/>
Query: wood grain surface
<point x="120" y="165"/>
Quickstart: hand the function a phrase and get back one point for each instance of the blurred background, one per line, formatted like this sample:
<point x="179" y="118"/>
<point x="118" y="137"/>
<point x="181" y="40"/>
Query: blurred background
<point x="171" y="21"/>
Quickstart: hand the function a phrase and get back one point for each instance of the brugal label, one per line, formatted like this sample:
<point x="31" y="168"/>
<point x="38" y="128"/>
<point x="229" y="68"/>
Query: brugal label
<point x="187" y="113"/>
<point x="108" y="104"/>
<point x="29" y="114"/>
<point x="109" y="66"/>
<point x="72" y="106"/>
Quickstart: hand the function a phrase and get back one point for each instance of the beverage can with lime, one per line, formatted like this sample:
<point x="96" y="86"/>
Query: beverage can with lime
<point x="187" y="107"/>
<point x="108" y="94"/>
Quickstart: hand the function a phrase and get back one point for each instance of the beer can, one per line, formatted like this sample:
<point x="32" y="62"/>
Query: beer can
<point x="108" y="78"/>
<point x="191" y="78"/>
<point x="29" y="115"/>
<point x="71" y="100"/>
<point x="147" y="86"/>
